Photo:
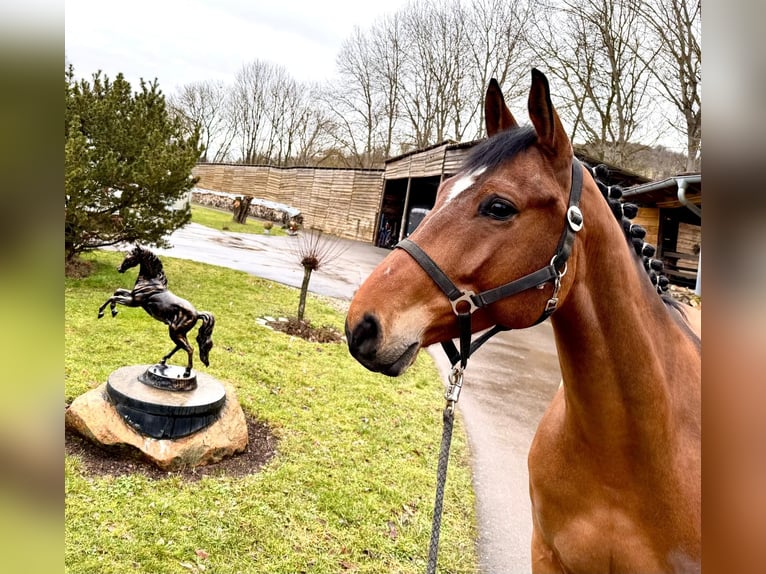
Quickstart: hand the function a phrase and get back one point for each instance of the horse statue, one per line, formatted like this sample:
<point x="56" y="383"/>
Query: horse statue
<point x="151" y="293"/>
<point x="522" y="233"/>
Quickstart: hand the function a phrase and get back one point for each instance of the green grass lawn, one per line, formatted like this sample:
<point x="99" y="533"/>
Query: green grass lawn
<point x="352" y="484"/>
<point x="222" y="221"/>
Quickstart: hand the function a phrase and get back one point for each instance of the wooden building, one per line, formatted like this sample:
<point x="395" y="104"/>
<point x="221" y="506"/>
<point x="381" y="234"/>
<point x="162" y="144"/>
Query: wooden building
<point x="410" y="182"/>
<point x="341" y="202"/>
<point x="671" y="212"/>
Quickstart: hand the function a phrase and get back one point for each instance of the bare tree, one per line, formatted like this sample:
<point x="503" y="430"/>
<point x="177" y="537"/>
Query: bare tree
<point x="248" y="107"/>
<point x="498" y="50"/>
<point x="599" y="54"/>
<point x="452" y="50"/>
<point x="353" y="101"/>
<point x="418" y="76"/>
<point x="433" y="90"/>
<point x="277" y="118"/>
<point x="202" y="105"/>
<point x="315" y="251"/>
<point x="676" y="25"/>
<point x="285" y="108"/>
<point x="386" y="44"/>
<point x="311" y="129"/>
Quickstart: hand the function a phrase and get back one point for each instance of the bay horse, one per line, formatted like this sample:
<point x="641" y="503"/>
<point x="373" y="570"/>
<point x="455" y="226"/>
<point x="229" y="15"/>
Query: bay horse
<point x="525" y="232"/>
<point x="151" y="293"/>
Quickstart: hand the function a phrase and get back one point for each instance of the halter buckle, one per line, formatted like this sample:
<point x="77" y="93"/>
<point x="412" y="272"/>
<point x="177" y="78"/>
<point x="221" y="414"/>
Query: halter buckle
<point x="574" y="218"/>
<point x="466" y="296"/>
<point x="551" y="304"/>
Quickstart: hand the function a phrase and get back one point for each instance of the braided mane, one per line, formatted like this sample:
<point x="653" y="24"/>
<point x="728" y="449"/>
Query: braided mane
<point x="624" y="212"/>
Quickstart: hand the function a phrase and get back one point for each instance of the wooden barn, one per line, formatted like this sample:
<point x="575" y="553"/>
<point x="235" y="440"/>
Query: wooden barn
<point x="341" y="202"/>
<point x="410" y="182"/>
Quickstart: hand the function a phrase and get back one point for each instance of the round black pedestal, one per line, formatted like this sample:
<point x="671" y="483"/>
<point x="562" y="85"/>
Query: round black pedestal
<point x="161" y="413"/>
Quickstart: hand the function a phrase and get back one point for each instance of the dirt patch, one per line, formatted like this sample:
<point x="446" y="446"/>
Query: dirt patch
<point x="99" y="461"/>
<point x="304" y="330"/>
<point x="77" y="269"/>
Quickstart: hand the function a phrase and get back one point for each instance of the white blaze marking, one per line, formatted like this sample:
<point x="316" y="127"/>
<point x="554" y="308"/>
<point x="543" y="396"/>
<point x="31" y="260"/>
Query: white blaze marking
<point x="459" y="187"/>
<point x="464" y="183"/>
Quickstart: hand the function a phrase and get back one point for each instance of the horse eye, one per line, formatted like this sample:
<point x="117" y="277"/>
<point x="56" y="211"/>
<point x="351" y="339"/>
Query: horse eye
<point x="498" y="208"/>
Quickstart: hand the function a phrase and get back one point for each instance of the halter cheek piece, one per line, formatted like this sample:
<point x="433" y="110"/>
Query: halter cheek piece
<point x="464" y="303"/>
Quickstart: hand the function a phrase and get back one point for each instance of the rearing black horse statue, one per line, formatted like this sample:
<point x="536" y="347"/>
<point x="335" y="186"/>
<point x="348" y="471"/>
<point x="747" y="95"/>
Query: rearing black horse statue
<point x="151" y="293"/>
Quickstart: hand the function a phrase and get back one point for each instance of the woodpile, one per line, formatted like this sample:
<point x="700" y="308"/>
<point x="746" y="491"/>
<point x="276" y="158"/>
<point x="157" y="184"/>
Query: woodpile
<point x="259" y="208"/>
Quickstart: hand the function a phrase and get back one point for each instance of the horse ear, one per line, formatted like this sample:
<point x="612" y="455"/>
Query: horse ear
<point x="551" y="135"/>
<point x="497" y="116"/>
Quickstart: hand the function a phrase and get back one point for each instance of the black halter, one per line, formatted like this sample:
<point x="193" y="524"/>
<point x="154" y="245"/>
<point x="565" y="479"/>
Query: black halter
<point x="464" y="303"/>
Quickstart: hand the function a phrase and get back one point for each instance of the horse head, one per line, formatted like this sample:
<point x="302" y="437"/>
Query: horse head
<point x="132" y="258"/>
<point x="497" y="220"/>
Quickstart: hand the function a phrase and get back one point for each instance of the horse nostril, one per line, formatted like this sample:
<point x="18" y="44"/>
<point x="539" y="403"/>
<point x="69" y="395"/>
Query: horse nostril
<point x="363" y="338"/>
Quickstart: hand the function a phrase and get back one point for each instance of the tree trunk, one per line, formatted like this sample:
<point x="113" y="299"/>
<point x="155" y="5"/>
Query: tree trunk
<point x="304" y="292"/>
<point x="241" y="208"/>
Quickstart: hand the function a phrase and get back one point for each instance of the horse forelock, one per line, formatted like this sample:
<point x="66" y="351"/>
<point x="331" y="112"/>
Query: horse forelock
<point x="492" y="152"/>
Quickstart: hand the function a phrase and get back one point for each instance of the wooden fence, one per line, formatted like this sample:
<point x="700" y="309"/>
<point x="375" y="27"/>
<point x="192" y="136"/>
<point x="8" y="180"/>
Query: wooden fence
<point x="341" y="202"/>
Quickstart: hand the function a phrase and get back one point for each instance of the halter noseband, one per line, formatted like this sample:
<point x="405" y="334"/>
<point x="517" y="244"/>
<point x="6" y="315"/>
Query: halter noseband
<point x="554" y="271"/>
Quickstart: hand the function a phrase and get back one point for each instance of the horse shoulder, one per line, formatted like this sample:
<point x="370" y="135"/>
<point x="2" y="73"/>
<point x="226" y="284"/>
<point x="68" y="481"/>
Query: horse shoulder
<point x="592" y="517"/>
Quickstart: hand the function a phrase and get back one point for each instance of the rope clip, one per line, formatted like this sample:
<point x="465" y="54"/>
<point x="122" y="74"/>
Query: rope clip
<point x="455" y="386"/>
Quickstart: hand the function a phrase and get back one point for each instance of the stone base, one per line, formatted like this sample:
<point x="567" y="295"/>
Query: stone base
<point x="94" y="416"/>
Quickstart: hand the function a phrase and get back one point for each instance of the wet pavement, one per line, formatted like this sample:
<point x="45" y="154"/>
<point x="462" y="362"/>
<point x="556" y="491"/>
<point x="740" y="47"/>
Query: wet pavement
<point x="275" y="257"/>
<point x="508" y="382"/>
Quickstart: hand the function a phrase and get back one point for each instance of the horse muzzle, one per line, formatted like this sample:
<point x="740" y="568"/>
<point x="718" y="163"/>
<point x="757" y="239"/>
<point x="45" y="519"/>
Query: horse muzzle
<point x="366" y="345"/>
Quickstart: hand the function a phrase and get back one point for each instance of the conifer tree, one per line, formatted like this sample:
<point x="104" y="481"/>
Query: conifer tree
<point x="127" y="162"/>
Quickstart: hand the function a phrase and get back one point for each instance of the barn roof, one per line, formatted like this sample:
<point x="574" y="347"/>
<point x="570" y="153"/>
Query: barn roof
<point x="668" y="192"/>
<point x="447" y="156"/>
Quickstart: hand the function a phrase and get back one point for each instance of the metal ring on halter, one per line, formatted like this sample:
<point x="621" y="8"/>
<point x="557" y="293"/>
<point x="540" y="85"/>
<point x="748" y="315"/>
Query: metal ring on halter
<point x="553" y="264"/>
<point x="467" y="297"/>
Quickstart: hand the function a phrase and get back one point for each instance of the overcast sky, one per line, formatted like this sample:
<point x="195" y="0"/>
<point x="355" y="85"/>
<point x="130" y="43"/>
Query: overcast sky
<point x="184" y="41"/>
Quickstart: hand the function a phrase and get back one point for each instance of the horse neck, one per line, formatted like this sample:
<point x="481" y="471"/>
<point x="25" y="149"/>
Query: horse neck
<point x="619" y="348"/>
<point x="152" y="271"/>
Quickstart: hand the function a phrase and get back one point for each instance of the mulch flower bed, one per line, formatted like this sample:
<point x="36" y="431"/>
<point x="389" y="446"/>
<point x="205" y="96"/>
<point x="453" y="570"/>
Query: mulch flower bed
<point x="304" y="330"/>
<point x="98" y="461"/>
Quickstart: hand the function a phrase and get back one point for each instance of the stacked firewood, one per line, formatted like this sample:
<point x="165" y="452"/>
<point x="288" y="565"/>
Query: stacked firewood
<point x="259" y="208"/>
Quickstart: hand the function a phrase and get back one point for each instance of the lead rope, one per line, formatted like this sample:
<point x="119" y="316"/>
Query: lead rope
<point x="448" y="418"/>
